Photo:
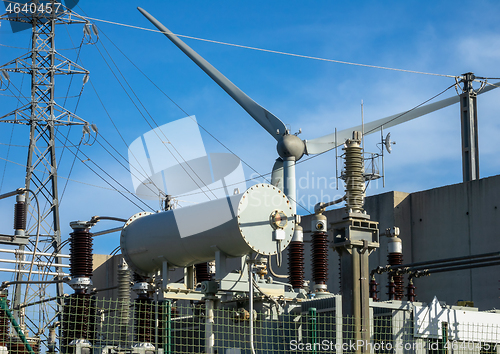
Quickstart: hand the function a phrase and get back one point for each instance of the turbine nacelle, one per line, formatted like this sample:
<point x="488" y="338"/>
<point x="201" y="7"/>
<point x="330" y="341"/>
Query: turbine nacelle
<point x="290" y="145"/>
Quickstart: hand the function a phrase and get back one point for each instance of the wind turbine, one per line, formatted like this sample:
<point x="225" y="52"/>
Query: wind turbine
<point x="290" y="147"/>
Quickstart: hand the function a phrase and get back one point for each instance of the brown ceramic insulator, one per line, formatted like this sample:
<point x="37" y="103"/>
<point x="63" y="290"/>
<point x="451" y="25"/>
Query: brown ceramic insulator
<point x="79" y="318"/>
<point x="373" y="289"/>
<point x="20" y="216"/>
<point x="397" y="259"/>
<point x="81" y="253"/>
<point x="144" y="324"/>
<point x="202" y="272"/>
<point x="296" y="264"/>
<point x="320" y="257"/>
<point x="392" y="290"/>
<point x="410" y="294"/>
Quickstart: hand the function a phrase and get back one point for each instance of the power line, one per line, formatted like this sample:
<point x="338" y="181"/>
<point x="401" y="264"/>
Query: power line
<point x="381" y="125"/>
<point x="156" y="124"/>
<point x="114" y="180"/>
<point x="276" y="51"/>
<point x="71" y="179"/>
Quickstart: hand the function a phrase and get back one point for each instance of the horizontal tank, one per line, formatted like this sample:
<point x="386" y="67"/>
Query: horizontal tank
<point x="236" y="225"/>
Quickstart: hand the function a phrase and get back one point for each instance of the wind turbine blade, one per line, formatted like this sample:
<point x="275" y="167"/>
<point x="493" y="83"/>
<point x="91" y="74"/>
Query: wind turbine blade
<point x="327" y="142"/>
<point x="266" y="119"/>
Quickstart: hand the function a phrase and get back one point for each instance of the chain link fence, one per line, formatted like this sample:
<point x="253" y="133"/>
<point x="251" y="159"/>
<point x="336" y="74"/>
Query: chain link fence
<point x="90" y="326"/>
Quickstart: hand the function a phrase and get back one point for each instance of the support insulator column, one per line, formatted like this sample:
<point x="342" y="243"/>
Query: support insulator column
<point x="355" y="237"/>
<point x="80" y="256"/>
<point x="296" y="259"/>
<point x="392" y="288"/>
<point x="319" y="253"/>
<point x="353" y="175"/>
<point x="123" y="298"/>
<point x="394" y="258"/>
<point x="20" y="215"/>
<point x="144" y="321"/>
<point x="79" y="317"/>
<point x="373" y="289"/>
<point x="410" y="295"/>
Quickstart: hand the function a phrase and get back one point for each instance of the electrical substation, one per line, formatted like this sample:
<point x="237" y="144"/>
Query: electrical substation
<point x="390" y="273"/>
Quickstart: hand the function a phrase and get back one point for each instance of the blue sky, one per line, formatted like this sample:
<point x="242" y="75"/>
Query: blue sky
<point x="446" y="37"/>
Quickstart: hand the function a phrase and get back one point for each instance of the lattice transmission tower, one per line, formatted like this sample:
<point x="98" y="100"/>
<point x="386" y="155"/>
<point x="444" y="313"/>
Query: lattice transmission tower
<point x="38" y="245"/>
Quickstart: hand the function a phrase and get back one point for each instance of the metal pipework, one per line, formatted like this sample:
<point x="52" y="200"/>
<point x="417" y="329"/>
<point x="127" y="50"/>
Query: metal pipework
<point x="439" y="262"/>
<point x="10" y="194"/>
<point x="320" y="207"/>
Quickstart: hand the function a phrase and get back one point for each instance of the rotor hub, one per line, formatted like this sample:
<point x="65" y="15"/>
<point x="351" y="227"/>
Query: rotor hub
<point x="291" y="145"/>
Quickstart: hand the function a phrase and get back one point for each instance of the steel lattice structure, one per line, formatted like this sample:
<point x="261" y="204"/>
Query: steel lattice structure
<point x="37" y="255"/>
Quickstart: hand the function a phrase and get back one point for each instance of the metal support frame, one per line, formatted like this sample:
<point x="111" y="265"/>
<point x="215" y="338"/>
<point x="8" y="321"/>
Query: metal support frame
<point x="468" y="119"/>
<point x="355" y="239"/>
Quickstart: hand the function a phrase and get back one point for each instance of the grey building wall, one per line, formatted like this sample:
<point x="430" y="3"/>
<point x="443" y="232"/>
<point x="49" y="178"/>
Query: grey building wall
<point x="451" y="221"/>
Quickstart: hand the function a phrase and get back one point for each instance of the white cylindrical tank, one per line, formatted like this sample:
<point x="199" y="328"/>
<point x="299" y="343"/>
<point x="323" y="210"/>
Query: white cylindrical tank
<point x="236" y="225"/>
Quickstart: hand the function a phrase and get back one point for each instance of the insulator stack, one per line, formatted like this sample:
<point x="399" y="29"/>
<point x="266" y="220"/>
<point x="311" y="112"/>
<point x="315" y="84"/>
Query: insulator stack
<point x="144" y="324"/>
<point x="202" y="272"/>
<point x="79" y="318"/>
<point x="20" y="213"/>
<point x="373" y="289"/>
<point x="123" y="298"/>
<point x="296" y="264"/>
<point x="123" y="282"/>
<point x="320" y="259"/>
<point x="81" y="253"/>
<point x="392" y="289"/>
<point x="353" y="174"/>
<point x="410" y="294"/>
<point x="4" y="325"/>
<point x="397" y="259"/>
